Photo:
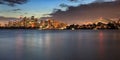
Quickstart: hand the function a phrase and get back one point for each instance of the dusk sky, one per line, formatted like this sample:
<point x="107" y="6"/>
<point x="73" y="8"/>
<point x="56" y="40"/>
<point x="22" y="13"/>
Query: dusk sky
<point x="35" y="7"/>
<point x="39" y="8"/>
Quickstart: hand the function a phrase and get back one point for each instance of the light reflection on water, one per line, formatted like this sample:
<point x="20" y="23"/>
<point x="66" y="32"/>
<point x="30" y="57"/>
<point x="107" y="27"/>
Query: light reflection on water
<point x="59" y="45"/>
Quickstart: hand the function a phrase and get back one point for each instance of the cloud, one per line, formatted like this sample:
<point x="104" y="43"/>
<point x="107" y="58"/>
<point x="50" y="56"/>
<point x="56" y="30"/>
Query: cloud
<point x="100" y="1"/>
<point x="25" y="13"/>
<point x="16" y="9"/>
<point x="74" y="0"/>
<point x="64" y="5"/>
<point x="94" y="1"/>
<point x="88" y="12"/>
<point x="12" y="2"/>
<point x="2" y="18"/>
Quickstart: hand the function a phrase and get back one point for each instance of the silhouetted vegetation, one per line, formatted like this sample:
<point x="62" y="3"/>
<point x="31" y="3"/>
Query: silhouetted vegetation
<point x="99" y="25"/>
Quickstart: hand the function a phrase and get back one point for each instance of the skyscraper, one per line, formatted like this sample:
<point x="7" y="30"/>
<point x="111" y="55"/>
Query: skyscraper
<point x="32" y="17"/>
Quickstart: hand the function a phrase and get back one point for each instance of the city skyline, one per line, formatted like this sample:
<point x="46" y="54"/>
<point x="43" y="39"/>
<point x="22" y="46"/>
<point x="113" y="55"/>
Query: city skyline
<point x="51" y="24"/>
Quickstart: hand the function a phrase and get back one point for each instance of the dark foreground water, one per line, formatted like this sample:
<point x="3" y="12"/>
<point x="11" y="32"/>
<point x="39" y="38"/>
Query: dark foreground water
<point x="60" y="45"/>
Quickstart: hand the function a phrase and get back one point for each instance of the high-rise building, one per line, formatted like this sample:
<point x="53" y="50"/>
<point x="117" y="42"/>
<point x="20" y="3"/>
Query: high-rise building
<point x="32" y="17"/>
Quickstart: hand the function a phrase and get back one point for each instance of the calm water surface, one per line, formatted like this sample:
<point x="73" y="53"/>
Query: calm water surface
<point x="60" y="45"/>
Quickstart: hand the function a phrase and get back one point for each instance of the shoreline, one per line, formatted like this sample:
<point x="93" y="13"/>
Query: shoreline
<point x="36" y="28"/>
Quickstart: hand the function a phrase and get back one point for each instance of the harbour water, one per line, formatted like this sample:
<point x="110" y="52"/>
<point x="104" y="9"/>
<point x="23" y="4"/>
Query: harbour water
<point x="59" y="44"/>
